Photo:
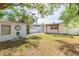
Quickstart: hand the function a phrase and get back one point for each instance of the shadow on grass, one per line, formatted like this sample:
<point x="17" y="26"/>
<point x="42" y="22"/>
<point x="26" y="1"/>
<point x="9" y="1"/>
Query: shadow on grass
<point x="34" y="37"/>
<point x="69" y="49"/>
<point x="17" y="43"/>
<point x="62" y="35"/>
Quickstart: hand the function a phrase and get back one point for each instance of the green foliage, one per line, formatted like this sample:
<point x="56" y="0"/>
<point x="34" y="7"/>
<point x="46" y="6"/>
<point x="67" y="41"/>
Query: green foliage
<point x="20" y="14"/>
<point x="70" y="15"/>
<point x="52" y="7"/>
<point x="1" y="13"/>
<point x="43" y="8"/>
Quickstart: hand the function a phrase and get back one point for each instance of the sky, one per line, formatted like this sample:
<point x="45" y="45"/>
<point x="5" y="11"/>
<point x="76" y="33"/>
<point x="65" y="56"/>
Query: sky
<point x="50" y="19"/>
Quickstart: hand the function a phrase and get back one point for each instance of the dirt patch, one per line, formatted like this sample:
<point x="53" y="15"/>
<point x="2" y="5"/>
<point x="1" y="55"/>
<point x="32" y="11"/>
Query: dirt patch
<point x="42" y="45"/>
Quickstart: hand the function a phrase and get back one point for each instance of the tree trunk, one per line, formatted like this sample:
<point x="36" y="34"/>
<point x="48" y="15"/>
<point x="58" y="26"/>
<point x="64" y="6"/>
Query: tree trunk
<point x="28" y="29"/>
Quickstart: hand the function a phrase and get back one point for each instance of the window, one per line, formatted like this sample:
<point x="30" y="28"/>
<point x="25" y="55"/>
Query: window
<point x="54" y="27"/>
<point x="5" y="29"/>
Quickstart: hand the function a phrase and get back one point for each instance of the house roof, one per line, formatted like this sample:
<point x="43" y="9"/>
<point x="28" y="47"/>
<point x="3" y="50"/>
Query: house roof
<point x="2" y="5"/>
<point x="9" y="22"/>
<point x="51" y="24"/>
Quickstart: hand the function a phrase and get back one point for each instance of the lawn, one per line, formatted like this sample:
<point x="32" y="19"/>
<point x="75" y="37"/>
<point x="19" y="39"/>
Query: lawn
<point x="42" y="45"/>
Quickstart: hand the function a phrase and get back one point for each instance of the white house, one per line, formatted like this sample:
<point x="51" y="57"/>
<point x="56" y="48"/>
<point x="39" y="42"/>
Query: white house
<point x="9" y="30"/>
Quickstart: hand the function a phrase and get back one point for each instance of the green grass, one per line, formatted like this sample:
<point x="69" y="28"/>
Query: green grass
<point x="42" y="45"/>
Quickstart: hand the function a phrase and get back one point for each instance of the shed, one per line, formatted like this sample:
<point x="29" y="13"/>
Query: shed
<point x="60" y="29"/>
<point x="9" y="30"/>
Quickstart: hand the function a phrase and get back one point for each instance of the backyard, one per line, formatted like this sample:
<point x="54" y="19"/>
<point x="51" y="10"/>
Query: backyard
<point x="42" y="45"/>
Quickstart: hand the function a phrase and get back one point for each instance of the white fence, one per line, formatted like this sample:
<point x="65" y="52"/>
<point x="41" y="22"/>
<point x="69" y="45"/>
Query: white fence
<point x="73" y="31"/>
<point x="36" y="29"/>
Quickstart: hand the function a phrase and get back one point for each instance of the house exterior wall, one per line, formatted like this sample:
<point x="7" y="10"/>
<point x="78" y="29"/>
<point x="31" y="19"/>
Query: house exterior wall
<point x="13" y="31"/>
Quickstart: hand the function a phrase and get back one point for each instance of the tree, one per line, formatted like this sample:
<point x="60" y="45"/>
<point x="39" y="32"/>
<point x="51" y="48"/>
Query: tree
<point x="70" y="15"/>
<point x="21" y="14"/>
<point x="1" y="13"/>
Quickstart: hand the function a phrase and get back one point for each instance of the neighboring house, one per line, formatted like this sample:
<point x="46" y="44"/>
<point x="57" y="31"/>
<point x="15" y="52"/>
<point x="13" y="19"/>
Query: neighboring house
<point x="9" y="30"/>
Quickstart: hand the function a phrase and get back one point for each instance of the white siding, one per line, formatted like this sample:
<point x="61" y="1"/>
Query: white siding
<point x="73" y="31"/>
<point x="63" y="29"/>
